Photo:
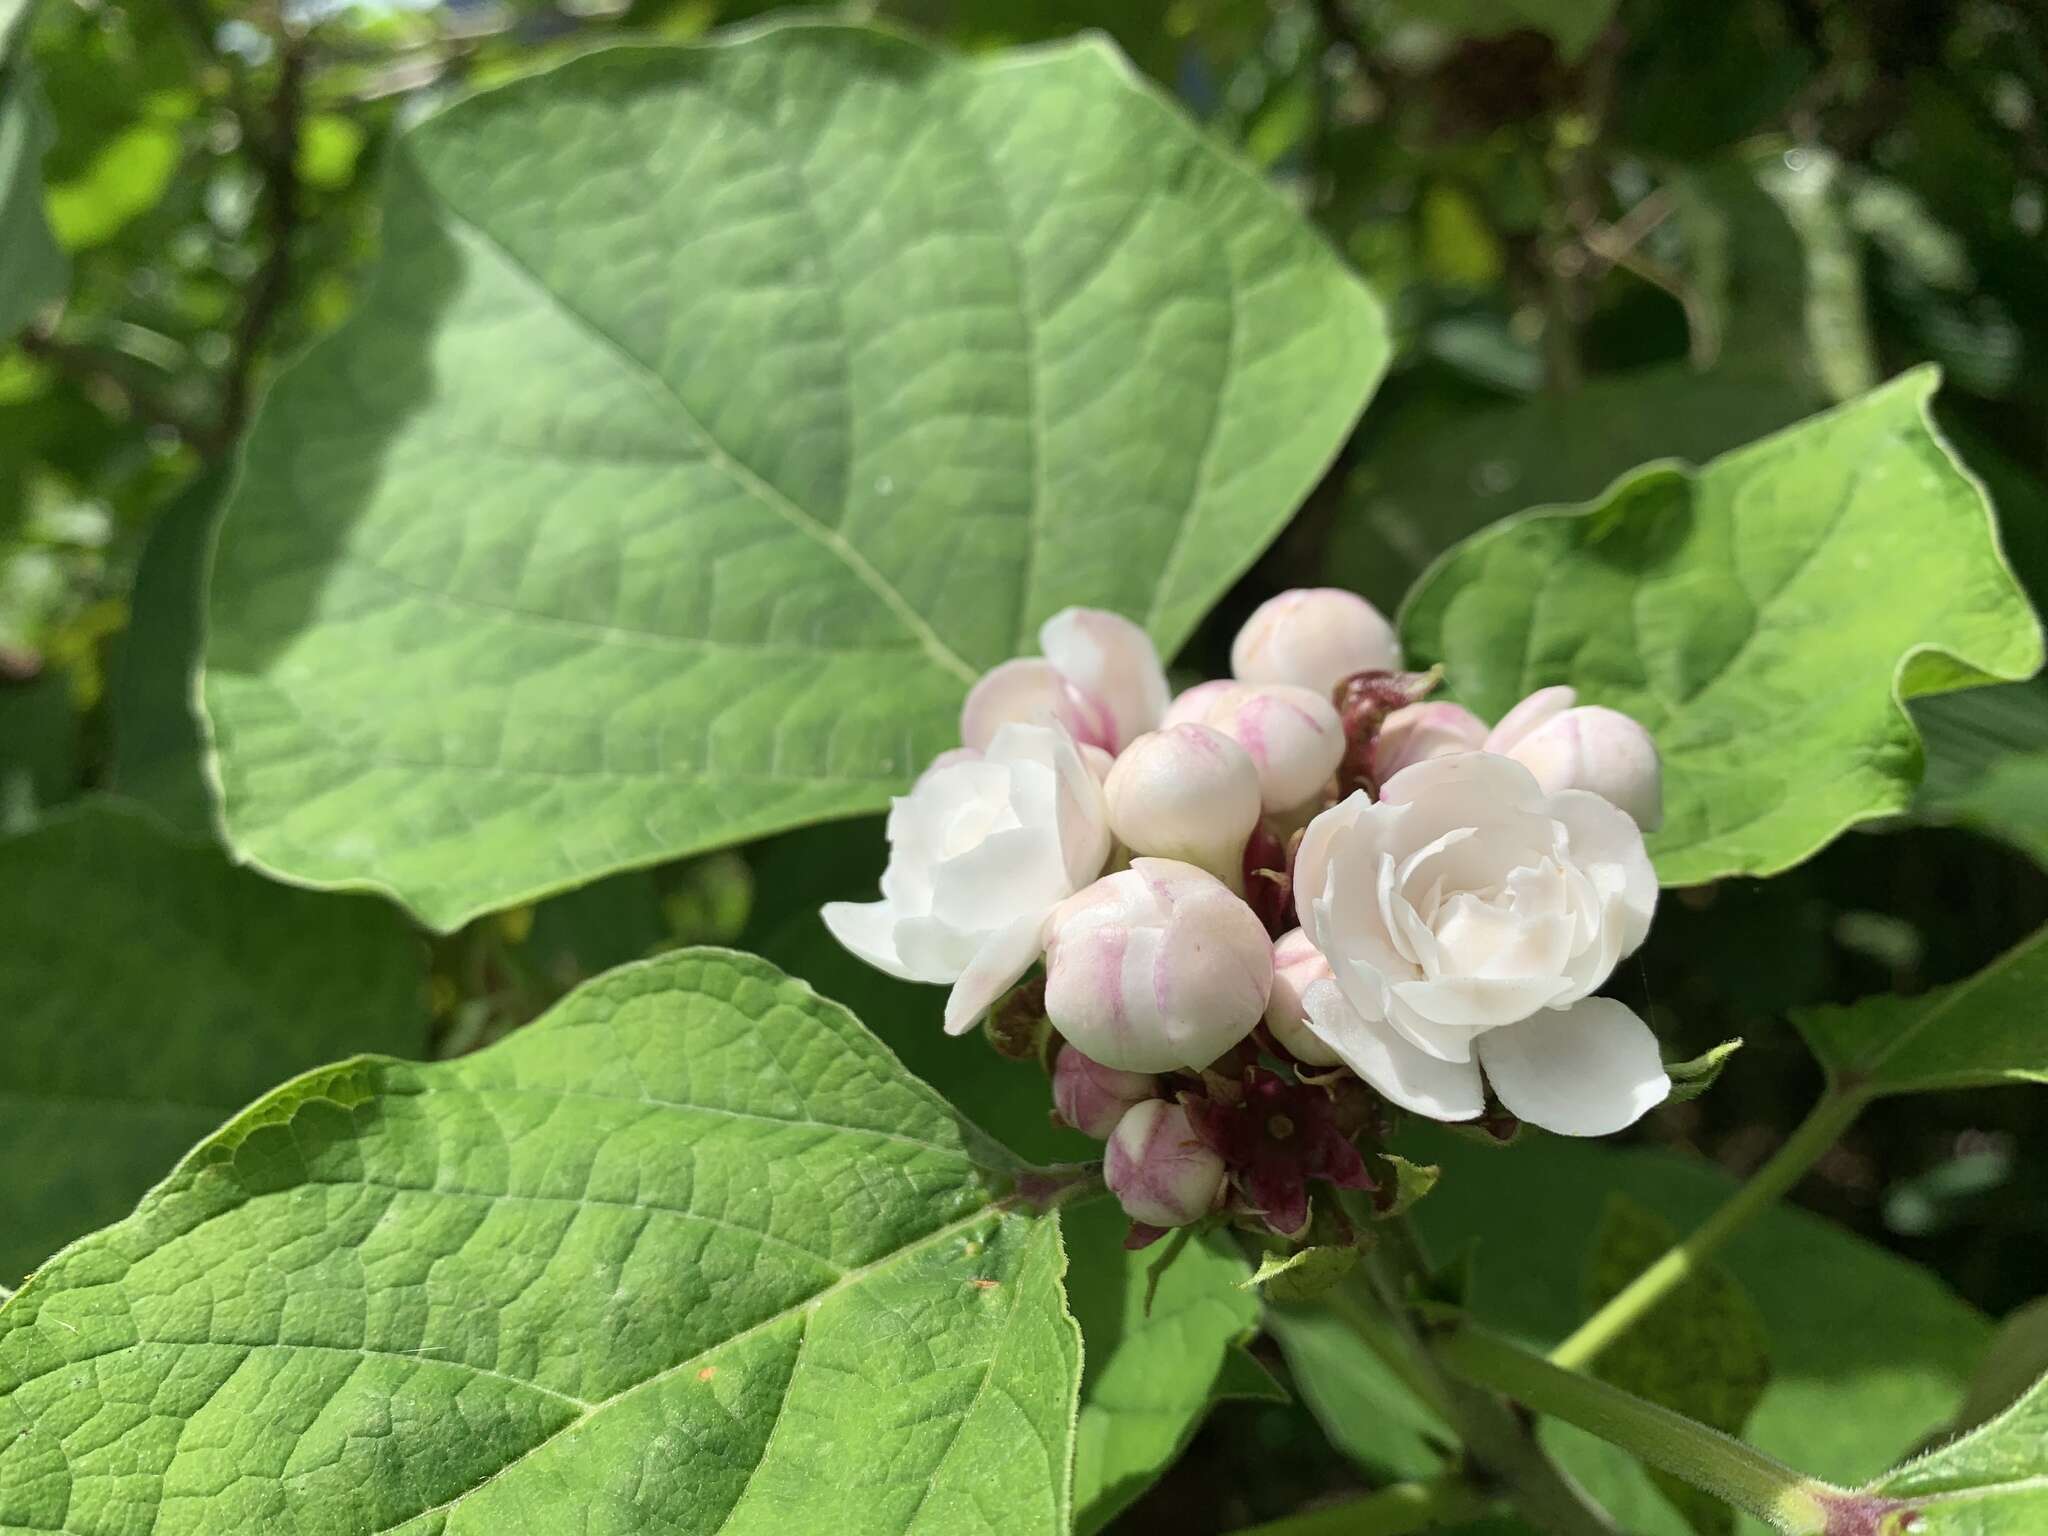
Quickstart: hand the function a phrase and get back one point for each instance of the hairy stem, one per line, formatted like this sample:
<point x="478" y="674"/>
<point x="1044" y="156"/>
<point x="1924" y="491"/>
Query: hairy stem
<point x="1742" y="1475"/>
<point x="1816" y="1133"/>
<point x="1393" y="1511"/>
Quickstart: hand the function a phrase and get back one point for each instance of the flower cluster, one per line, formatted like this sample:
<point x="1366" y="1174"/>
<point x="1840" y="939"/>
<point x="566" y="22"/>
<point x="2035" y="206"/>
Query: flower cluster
<point x="1275" y="904"/>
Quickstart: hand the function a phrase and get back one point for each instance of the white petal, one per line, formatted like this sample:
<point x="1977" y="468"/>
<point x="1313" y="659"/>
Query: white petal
<point x="1544" y="704"/>
<point x="868" y="929"/>
<point x="1443" y="1090"/>
<point x="1004" y="957"/>
<point x="1463" y="789"/>
<point x="1106" y="655"/>
<point x="1608" y="845"/>
<point x="1312" y="858"/>
<point x="1586" y="1070"/>
<point x="1014" y="874"/>
<point x="1478" y="1002"/>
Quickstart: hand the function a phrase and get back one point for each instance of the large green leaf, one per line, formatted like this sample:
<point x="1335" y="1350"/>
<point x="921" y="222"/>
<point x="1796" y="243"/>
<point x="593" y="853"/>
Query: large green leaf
<point x="148" y="990"/>
<point x="32" y="269"/>
<point x="1979" y="1033"/>
<point x="1992" y="1482"/>
<point x="1868" y="1353"/>
<point x="716" y="415"/>
<point x="691" y="1253"/>
<point x="1765" y="616"/>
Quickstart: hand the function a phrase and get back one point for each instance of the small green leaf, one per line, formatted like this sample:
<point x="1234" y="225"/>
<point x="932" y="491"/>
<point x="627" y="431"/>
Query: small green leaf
<point x="1703" y="1351"/>
<point x="1367" y="1411"/>
<point x="149" y="989"/>
<point x="1690" y="1079"/>
<point x="1408" y="1183"/>
<point x="691" y="1252"/>
<point x="2015" y="1360"/>
<point x="32" y="268"/>
<point x="717" y="415"/>
<point x="1764" y="616"/>
<point x="1978" y="1033"/>
<point x="1303" y="1274"/>
<point x="1992" y="1482"/>
<point x="1151" y="1372"/>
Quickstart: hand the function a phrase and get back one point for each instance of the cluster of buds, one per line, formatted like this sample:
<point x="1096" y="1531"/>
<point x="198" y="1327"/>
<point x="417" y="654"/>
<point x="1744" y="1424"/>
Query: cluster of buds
<point x="1275" y="908"/>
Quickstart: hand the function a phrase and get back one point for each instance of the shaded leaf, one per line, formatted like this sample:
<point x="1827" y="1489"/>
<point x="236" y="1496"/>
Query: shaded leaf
<point x="32" y="269"/>
<point x="656" y="500"/>
<point x="1365" y="1409"/>
<point x="1742" y="612"/>
<point x="1571" y="24"/>
<point x="1151" y="1373"/>
<point x="1702" y="1351"/>
<point x="692" y="1251"/>
<point x="157" y="747"/>
<point x="149" y="989"/>
<point x="1977" y="1033"/>
<point x="38" y="748"/>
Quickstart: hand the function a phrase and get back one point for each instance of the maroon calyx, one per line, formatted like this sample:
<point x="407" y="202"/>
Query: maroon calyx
<point x="1269" y="879"/>
<point x="1364" y="700"/>
<point x="1276" y="1137"/>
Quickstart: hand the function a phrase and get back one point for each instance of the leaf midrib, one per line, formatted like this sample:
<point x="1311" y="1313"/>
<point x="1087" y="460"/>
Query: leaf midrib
<point x="852" y="1279"/>
<point x="465" y="225"/>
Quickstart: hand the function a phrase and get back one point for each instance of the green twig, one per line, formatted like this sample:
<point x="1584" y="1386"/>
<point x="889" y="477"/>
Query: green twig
<point x="1820" y="1130"/>
<point x="1740" y="1474"/>
<point x="1395" y="1511"/>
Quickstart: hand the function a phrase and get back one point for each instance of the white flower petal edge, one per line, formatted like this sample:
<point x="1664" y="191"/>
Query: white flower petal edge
<point x="983" y="847"/>
<point x="1108" y="657"/>
<point x="1588" y="1070"/>
<point x="1411" y="1078"/>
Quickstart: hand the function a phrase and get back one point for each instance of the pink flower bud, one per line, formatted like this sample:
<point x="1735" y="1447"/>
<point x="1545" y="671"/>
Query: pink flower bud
<point x="1158" y="1168"/>
<point x="1419" y="732"/>
<point x="1155" y="968"/>
<point x="1100" y="678"/>
<point x="1314" y="638"/>
<point x="1188" y="793"/>
<point x="1297" y="964"/>
<point x="1191" y="706"/>
<point x="1092" y="1098"/>
<point x="1568" y="745"/>
<point x="1292" y="735"/>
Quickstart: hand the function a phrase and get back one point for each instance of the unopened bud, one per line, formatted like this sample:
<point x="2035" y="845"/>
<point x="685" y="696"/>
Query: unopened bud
<point x="1296" y="965"/>
<point x="1292" y="735"/>
<point x="1191" y="706"/>
<point x="1417" y="732"/>
<point x="1092" y="1098"/>
<point x="1568" y="745"/>
<point x="1099" y="678"/>
<point x="1314" y="638"/>
<point x="1155" y="968"/>
<point x="1159" y="1169"/>
<point x="1189" y="793"/>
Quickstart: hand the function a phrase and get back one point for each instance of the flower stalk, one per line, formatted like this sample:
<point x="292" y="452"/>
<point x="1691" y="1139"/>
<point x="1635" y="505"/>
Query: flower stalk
<point x="1725" y="1467"/>
<point x="1821" y="1129"/>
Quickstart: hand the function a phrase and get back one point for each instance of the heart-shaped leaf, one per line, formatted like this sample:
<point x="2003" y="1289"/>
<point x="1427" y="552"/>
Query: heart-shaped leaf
<point x="148" y="990"/>
<point x="1978" y="1033"/>
<point x="1764" y="616"/>
<point x="691" y="1253"/>
<point x="717" y="415"/>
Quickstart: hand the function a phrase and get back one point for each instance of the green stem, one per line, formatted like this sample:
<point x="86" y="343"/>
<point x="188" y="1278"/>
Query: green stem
<point x="1395" y="1511"/>
<point x="1816" y="1133"/>
<point x="1703" y="1457"/>
<point x="1502" y="1448"/>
